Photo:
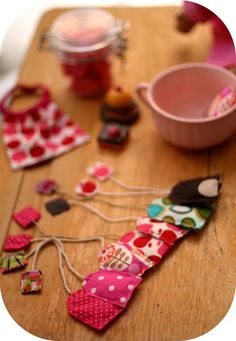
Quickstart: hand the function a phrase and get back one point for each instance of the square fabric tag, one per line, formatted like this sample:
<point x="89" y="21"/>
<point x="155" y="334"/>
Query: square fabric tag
<point x="152" y="249"/>
<point x="164" y="209"/>
<point x="93" y="311"/>
<point x="122" y="257"/>
<point x="166" y="232"/>
<point x="57" y="206"/>
<point x="200" y="191"/>
<point x="12" y="262"/>
<point x="31" y="281"/>
<point x="47" y="186"/>
<point x="27" y="216"/>
<point x="17" y="242"/>
<point x="112" y="286"/>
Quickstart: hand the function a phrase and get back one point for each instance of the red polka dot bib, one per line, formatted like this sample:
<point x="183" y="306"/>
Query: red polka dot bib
<point x="38" y="133"/>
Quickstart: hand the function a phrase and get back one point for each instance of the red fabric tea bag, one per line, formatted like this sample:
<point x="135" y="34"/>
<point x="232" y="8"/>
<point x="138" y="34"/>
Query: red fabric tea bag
<point x="38" y="133"/>
<point x="91" y="310"/>
<point x="26" y="217"/>
<point x="17" y="242"/>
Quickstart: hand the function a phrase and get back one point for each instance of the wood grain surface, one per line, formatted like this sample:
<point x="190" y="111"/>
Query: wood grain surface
<point x="193" y="287"/>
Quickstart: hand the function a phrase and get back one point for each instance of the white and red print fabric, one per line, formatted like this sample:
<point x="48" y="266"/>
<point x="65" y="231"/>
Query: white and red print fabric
<point x="168" y="233"/>
<point x="153" y="249"/>
<point x="122" y="257"/>
<point x="112" y="286"/>
<point x="39" y="133"/>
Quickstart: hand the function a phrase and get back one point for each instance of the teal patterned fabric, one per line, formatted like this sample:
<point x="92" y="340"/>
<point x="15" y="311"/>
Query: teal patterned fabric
<point x="164" y="209"/>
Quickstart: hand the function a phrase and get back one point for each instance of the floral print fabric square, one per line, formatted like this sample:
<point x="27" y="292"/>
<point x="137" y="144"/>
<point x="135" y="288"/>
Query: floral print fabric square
<point x="164" y="209"/>
<point x="113" y="286"/>
<point x="152" y="249"/>
<point x="122" y="257"/>
<point x="93" y="311"/>
<point x="31" y="281"/>
<point x="12" y="262"/>
<point x="166" y="232"/>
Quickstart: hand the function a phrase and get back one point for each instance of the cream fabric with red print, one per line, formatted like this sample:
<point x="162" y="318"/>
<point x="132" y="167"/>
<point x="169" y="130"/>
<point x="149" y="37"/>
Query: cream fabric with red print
<point x="39" y="134"/>
<point x="93" y="311"/>
<point x="112" y="286"/>
<point x="153" y="249"/>
<point x="166" y="232"/>
<point x="122" y="257"/>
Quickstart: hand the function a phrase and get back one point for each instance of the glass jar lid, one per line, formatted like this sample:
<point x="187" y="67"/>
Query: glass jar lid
<point x="84" y="30"/>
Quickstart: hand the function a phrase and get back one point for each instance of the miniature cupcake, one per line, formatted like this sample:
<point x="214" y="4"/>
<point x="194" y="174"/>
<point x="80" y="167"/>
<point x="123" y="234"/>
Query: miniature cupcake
<point x="119" y="107"/>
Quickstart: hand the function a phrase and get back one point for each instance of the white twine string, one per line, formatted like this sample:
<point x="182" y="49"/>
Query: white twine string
<point x="100" y="214"/>
<point x="62" y="270"/>
<point x="140" y="188"/>
<point x="61" y="254"/>
<point x="120" y="205"/>
<point x="122" y="194"/>
<point x="36" y="251"/>
<point x="83" y="198"/>
<point x="76" y="239"/>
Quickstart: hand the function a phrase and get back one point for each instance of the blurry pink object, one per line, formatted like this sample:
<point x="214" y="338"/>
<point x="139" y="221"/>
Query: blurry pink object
<point x="223" y="50"/>
<point x="100" y="171"/>
<point x="222" y="102"/>
<point x="178" y="98"/>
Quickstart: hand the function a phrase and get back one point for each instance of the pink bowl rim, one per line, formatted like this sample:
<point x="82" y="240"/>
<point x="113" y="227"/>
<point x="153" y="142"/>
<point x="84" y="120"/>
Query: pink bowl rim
<point x="183" y="66"/>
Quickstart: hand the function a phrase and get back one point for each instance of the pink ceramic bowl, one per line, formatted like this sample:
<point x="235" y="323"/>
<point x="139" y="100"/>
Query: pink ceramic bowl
<point x="179" y="98"/>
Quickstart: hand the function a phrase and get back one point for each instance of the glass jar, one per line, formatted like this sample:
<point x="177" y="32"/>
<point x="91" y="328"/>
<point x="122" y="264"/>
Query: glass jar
<point x="84" y="41"/>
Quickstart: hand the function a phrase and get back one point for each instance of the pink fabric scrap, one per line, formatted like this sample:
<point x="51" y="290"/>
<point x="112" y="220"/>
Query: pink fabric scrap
<point x="100" y="171"/>
<point x="222" y="52"/>
<point x="26" y="216"/>
<point x="93" y="311"/>
<point x="112" y="286"/>
<point x="17" y="242"/>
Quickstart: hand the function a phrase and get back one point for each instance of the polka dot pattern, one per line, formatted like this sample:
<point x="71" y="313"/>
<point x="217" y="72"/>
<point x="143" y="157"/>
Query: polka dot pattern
<point x="168" y="233"/>
<point x="41" y="136"/>
<point x="114" y="288"/>
<point x="202" y="191"/>
<point x="91" y="310"/>
<point x="190" y="217"/>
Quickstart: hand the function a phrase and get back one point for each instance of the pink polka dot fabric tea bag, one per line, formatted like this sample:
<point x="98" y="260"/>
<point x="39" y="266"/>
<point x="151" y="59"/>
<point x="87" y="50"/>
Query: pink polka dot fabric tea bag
<point x="112" y="286"/>
<point x="93" y="311"/>
<point x="38" y="133"/>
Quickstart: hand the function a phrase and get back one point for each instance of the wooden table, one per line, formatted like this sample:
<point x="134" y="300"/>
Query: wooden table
<point x="193" y="287"/>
